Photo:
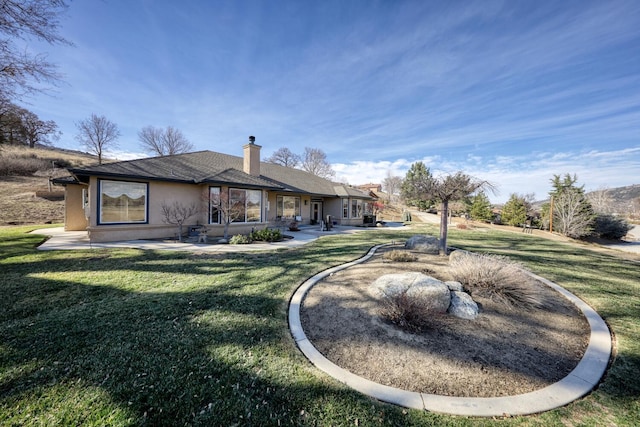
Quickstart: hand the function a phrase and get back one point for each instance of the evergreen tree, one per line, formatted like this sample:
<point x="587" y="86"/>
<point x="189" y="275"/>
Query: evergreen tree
<point x="514" y="211"/>
<point x="415" y="185"/>
<point x="481" y="208"/>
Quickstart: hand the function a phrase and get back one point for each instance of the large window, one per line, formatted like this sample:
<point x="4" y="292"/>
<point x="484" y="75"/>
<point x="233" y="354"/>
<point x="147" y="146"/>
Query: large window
<point x="356" y="208"/>
<point x="123" y="202"/>
<point x="234" y="205"/>
<point x="215" y="214"/>
<point x="245" y="205"/>
<point x="287" y="206"/>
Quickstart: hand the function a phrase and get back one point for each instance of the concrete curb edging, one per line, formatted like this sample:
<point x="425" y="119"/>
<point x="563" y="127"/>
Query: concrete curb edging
<point x="576" y="384"/>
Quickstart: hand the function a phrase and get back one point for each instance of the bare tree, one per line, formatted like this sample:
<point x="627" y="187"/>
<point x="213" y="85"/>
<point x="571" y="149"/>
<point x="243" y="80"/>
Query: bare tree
<point x="570" y="210"/>
<point x="315" y="162"/>
<point x="451" y="188"/>
<point x="601" y="201"/>
<point x="164" y="142"/>
<point x="39" y="131"/>
<point x="392" y="185"/>
<point x="21" y="71"/>
<point x="421" y="185"/>
<point x="21" y="126"/>
<point x="285" y="157"/>
<point x="96" y="134"/>
<point x="177" y="213"/>
<point x="228" y="210"/>
<point x="572" y="217"/>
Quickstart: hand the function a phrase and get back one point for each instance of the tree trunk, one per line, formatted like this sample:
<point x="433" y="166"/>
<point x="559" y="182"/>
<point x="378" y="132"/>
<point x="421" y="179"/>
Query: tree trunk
<point x="226" y="230"/>
<point x="444" y="213"/>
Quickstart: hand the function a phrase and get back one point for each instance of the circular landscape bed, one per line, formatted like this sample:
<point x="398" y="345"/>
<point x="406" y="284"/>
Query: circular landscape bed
<point x="503" y="352"/>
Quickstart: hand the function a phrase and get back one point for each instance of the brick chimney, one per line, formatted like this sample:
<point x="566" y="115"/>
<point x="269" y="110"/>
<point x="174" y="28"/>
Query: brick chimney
<point x="252" y="157"/>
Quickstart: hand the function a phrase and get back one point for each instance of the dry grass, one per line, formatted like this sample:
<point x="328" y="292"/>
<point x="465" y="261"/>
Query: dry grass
<point x="27" y="197"/>
<point x="408" y="312"/>
<point x="400" y="256"/>
<point x="496" y="277"/>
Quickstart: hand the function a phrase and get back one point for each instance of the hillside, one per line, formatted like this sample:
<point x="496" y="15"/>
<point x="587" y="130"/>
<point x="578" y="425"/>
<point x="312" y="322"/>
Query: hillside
<point x="625" y="195"/>
<point x="622" y="200"/>
<point x="29" y="199"/>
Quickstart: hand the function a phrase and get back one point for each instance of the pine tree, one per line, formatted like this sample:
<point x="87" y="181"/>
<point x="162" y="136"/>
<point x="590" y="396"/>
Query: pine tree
<point x="481" y="208"/>
<point x="514" y="211"/>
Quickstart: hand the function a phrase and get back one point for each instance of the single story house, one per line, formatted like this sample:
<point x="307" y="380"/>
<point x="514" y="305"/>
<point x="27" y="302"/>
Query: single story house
<point x="125" y="200"/>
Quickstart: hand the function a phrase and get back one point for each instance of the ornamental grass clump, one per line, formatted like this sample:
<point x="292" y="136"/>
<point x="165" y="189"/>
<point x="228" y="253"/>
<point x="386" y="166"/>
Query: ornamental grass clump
<point x="497" y="278"/>
<point x="407" y="312"/>
<point x="399" y="256"/>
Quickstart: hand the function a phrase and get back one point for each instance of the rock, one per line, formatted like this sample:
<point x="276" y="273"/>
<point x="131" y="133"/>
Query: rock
<point x="463" y="306"/>
<point x="424" y="244"/>
<point x="431" y="293"/>
<point x="454" y="286"/>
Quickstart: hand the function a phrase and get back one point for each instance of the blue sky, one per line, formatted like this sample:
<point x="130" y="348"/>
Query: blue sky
<point x="509" y="91"/>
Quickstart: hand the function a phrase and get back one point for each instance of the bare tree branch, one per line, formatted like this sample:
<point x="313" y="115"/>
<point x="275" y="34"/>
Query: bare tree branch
<point x="315" y="162"/>
<point x="96" y="134"/>
<point x="164" y="142"/>
<point x="285" y="157"/>
<point x="21" y="72"/>
<point x="177" y="213"/>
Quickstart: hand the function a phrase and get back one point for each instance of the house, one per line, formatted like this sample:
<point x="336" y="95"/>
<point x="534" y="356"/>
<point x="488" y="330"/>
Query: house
<point x="125" y="200"/>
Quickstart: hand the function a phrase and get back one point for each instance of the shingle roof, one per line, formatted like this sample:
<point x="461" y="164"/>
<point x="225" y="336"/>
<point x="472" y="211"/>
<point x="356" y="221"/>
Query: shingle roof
<point x="217" y="168"/>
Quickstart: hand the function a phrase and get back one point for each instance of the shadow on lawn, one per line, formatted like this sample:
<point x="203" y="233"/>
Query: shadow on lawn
<point x="609" y="284"/>
<point x="210" y="351"/>
<point x="175" y="338"/>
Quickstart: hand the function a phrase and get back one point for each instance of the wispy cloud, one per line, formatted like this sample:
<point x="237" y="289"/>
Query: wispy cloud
<point x="513" y="92"/>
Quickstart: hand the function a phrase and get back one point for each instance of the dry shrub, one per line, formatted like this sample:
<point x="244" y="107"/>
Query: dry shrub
<point x="407" y="312"/>
<point x="461" y="226"/>
<point x="400" y="256"/>
<point x="21" y="165"/>
<point x="498" y="278"/>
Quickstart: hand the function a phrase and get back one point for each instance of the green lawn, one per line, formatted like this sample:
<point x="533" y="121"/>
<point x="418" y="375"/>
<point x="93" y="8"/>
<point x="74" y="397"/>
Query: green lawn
<point x="130" y="337"/>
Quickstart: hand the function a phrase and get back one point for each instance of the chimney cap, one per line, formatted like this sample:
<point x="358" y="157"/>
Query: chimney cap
<point x="252" y="139"/>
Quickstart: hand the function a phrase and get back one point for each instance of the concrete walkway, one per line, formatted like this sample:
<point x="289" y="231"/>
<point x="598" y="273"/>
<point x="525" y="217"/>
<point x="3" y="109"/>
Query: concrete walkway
<point x="73" y="240"/>
<point x="578" y="383"/>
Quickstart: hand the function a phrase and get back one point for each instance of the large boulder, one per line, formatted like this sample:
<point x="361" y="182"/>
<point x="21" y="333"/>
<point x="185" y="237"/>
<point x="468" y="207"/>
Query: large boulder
<point x="426" y="291"/>
<point x="424" y="244"/>
<point x="463" y="306"/>
<point x="454" y="286"/>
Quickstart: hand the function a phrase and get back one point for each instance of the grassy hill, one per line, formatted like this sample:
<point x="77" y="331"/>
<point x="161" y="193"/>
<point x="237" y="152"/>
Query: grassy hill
<point x="27" y="197"/>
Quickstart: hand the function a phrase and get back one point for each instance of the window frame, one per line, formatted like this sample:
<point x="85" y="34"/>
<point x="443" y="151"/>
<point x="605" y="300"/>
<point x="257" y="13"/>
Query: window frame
<point x="297" y="206"/>
<point x="211" y="207"/>
<point x="356" y="208"/>
<point x="246" y="201"/>
<point x="102" y="182"/>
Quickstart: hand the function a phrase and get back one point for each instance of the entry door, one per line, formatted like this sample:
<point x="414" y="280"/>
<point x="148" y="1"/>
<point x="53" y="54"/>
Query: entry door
<point x="316" y="212"/>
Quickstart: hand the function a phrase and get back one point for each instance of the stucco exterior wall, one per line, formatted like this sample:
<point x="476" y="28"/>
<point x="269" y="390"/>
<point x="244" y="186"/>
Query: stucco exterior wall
<point x="167" y="193"/>
<point x="74" y="214"/>
<point x="155" y="228"/>
<point x="186" y="195"/>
